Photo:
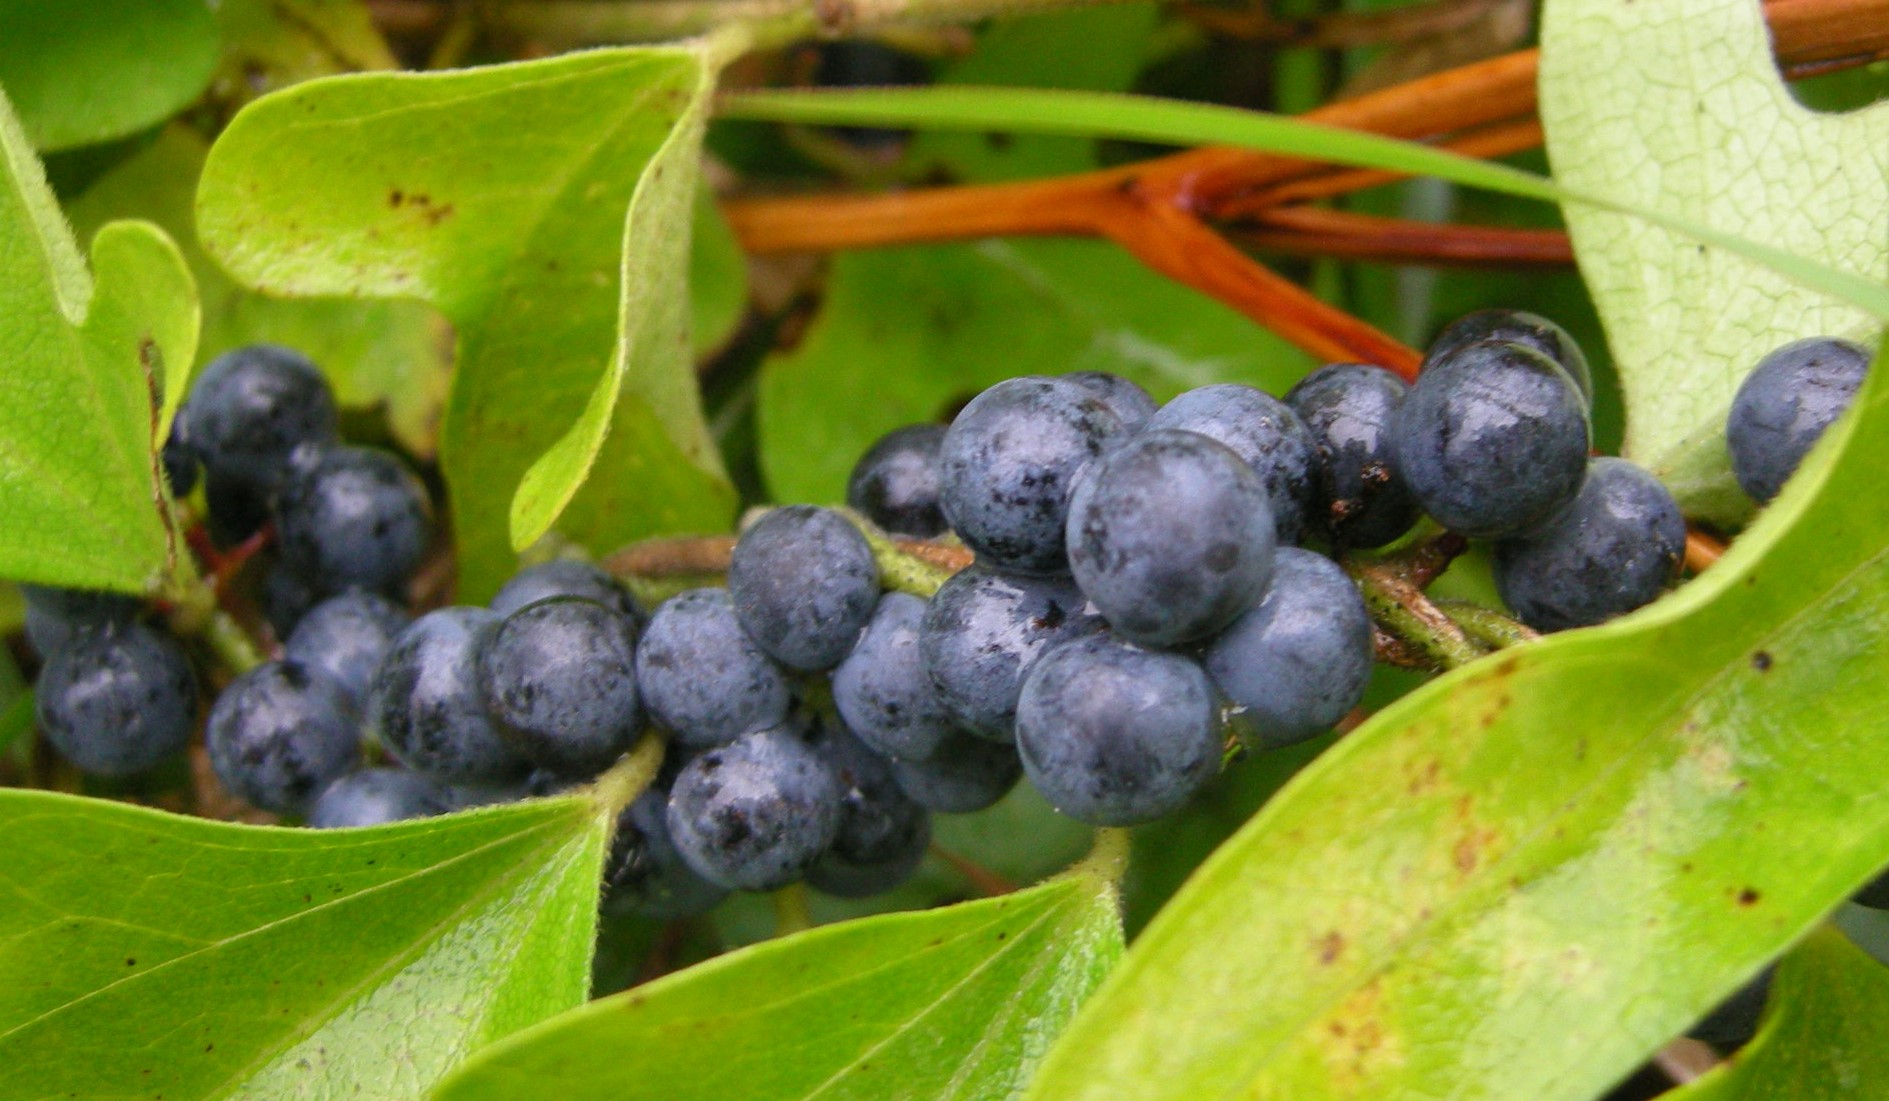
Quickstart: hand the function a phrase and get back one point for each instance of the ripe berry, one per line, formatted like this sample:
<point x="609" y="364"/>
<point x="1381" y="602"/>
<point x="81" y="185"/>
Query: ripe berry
<point x="882" y="689"/>
<point x="1129" y="401"/>
<point x="1007" y="464"/>
<point x="1265" y="432"/>
<point x="700" y="674"/>
<point x="251" y="409"/>
<point x="54" y="615"/>
<point x="1492" y="439"/>
<point x="1783" y="407"/>
<point x="1300" y="659"/>
<point x="280" y="734"/>
<point x="1362" y="499"/>
<point x="1615" y="548"/>
<point x="566" y="577"/>
<point x="645" y="874"/>
<point x="983" y="630"/>
<point x="883" y="834"/>
<point x="1115" y="735"/>
<point x="117" y="698"/>
<point x="559" y="677"/>
<point x="895" y="484"/>
<point x="426" y="706"/>
<point x="756" y="813"/>
<point x="345" y="637"/>
<point x="375" y="797"/>
<point x="803" y="582"/>
<point x="354" y="517"/>
<point x="1171" y="536"/>
<point x="1517" y="327"/>
<point x="962" y="775"/>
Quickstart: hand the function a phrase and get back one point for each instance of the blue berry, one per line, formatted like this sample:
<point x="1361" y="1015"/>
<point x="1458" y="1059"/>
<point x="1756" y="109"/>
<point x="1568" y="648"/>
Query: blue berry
<point x="354" y="517"/>
<point x="179" y="458"/>
<point x="962" y="775"/>
<point x="895" y="484"/>
<point x="1783" y="407"/>
<point x="756" y="813"/>
<point x="882" y="689"/>
<point x="1492" y="439"/>
<point x="280" y="734"/>
<point x="983" y="630"/>
<point x="1362" y="499"/>
<point x="426" y="706"/>
<point x="566" y="577"/>
<point x="375" y="797"/>
<point x="644" y="874"/>
<point x="1517" y="327"/>
<point x="345" y="637"/>
<point x="1008" y="462"/>
<point x="1171" y="536"/>
<point x="251" y="409"/>
<point x="54" y="615"/>
<point x="1115" y="735"/>
<point x="234" y="510"/>
<point x="700" y="674"/>
<point x="284" y="597"/>
<point x="1612" y="550"/>
<point x="559" y="677"/>
<point x="883" y="834"/>
<point x="803" y="582"/>
<point x="1300" y="659"/>
<point x="1129" y="401"/>
<point x="1265" y="432"/>
<point x="117" y="698"/>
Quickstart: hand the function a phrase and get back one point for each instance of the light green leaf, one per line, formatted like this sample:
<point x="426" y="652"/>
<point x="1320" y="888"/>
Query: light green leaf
<point x="1717" y="140"/>
<point x="387" y="354"/>
<point x="951" y="1003"/>
<point x="906" y="334"/>
<point x="82" y="73"/>
<point x="1822" y="1034"/>
<point x="499" y="196"/>
<point x="144" y="954"/>
<point x="81" y="396"/>
<point x="1147" y="118"/>
<point x="1551" y="860"/>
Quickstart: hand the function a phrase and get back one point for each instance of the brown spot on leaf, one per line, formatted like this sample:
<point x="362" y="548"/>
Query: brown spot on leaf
<point x="1761" y="661"/>
<point x="1748" y="896"/>
<point x="1330" y="947"/>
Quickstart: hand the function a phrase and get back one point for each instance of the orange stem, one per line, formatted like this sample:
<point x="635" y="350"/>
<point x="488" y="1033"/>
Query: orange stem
<point x="1315" y="231"/>
<point x="1702" y="550"/>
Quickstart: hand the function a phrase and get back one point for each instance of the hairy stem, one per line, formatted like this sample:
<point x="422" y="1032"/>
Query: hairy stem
<point x="1488" y="626"/>
<point x="791" y="913"/>
<point x="229" y="642"/>
<point x="1414" y="631"/>
<point x="628" y="778"/>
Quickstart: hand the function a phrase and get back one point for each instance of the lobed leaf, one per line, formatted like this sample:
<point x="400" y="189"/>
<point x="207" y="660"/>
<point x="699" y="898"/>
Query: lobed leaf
<point x="82" y="73"/>
<point x="499" y="196"/>
<point x="1821" y="1039"/>
<point x="93" y="364"/>
<point x="144" y="954"/>
<point x="958" y="1002"/>
<point x="1725" y="146"/>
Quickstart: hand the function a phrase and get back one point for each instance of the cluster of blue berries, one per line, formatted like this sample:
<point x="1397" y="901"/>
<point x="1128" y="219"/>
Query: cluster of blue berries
<point x="1147" y="584"/>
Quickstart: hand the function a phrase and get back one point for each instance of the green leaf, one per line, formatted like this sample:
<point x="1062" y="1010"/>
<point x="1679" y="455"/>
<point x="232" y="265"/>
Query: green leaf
<point x="81" y="73"/>
<point x="1147" y="118"/>
<point x="1553" y="859"/>
<point x="79" y="398"/>
<point x="163" y="956"/>
<point x="951" y="1003"/>
<point x="1719" y="141"/>
<point x="375" y="353"/>
<point x="905" y="335"/>
<point x="718" y="277"/>
<point x="499" y="196"/>
<point x="1822" y="1034"/>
